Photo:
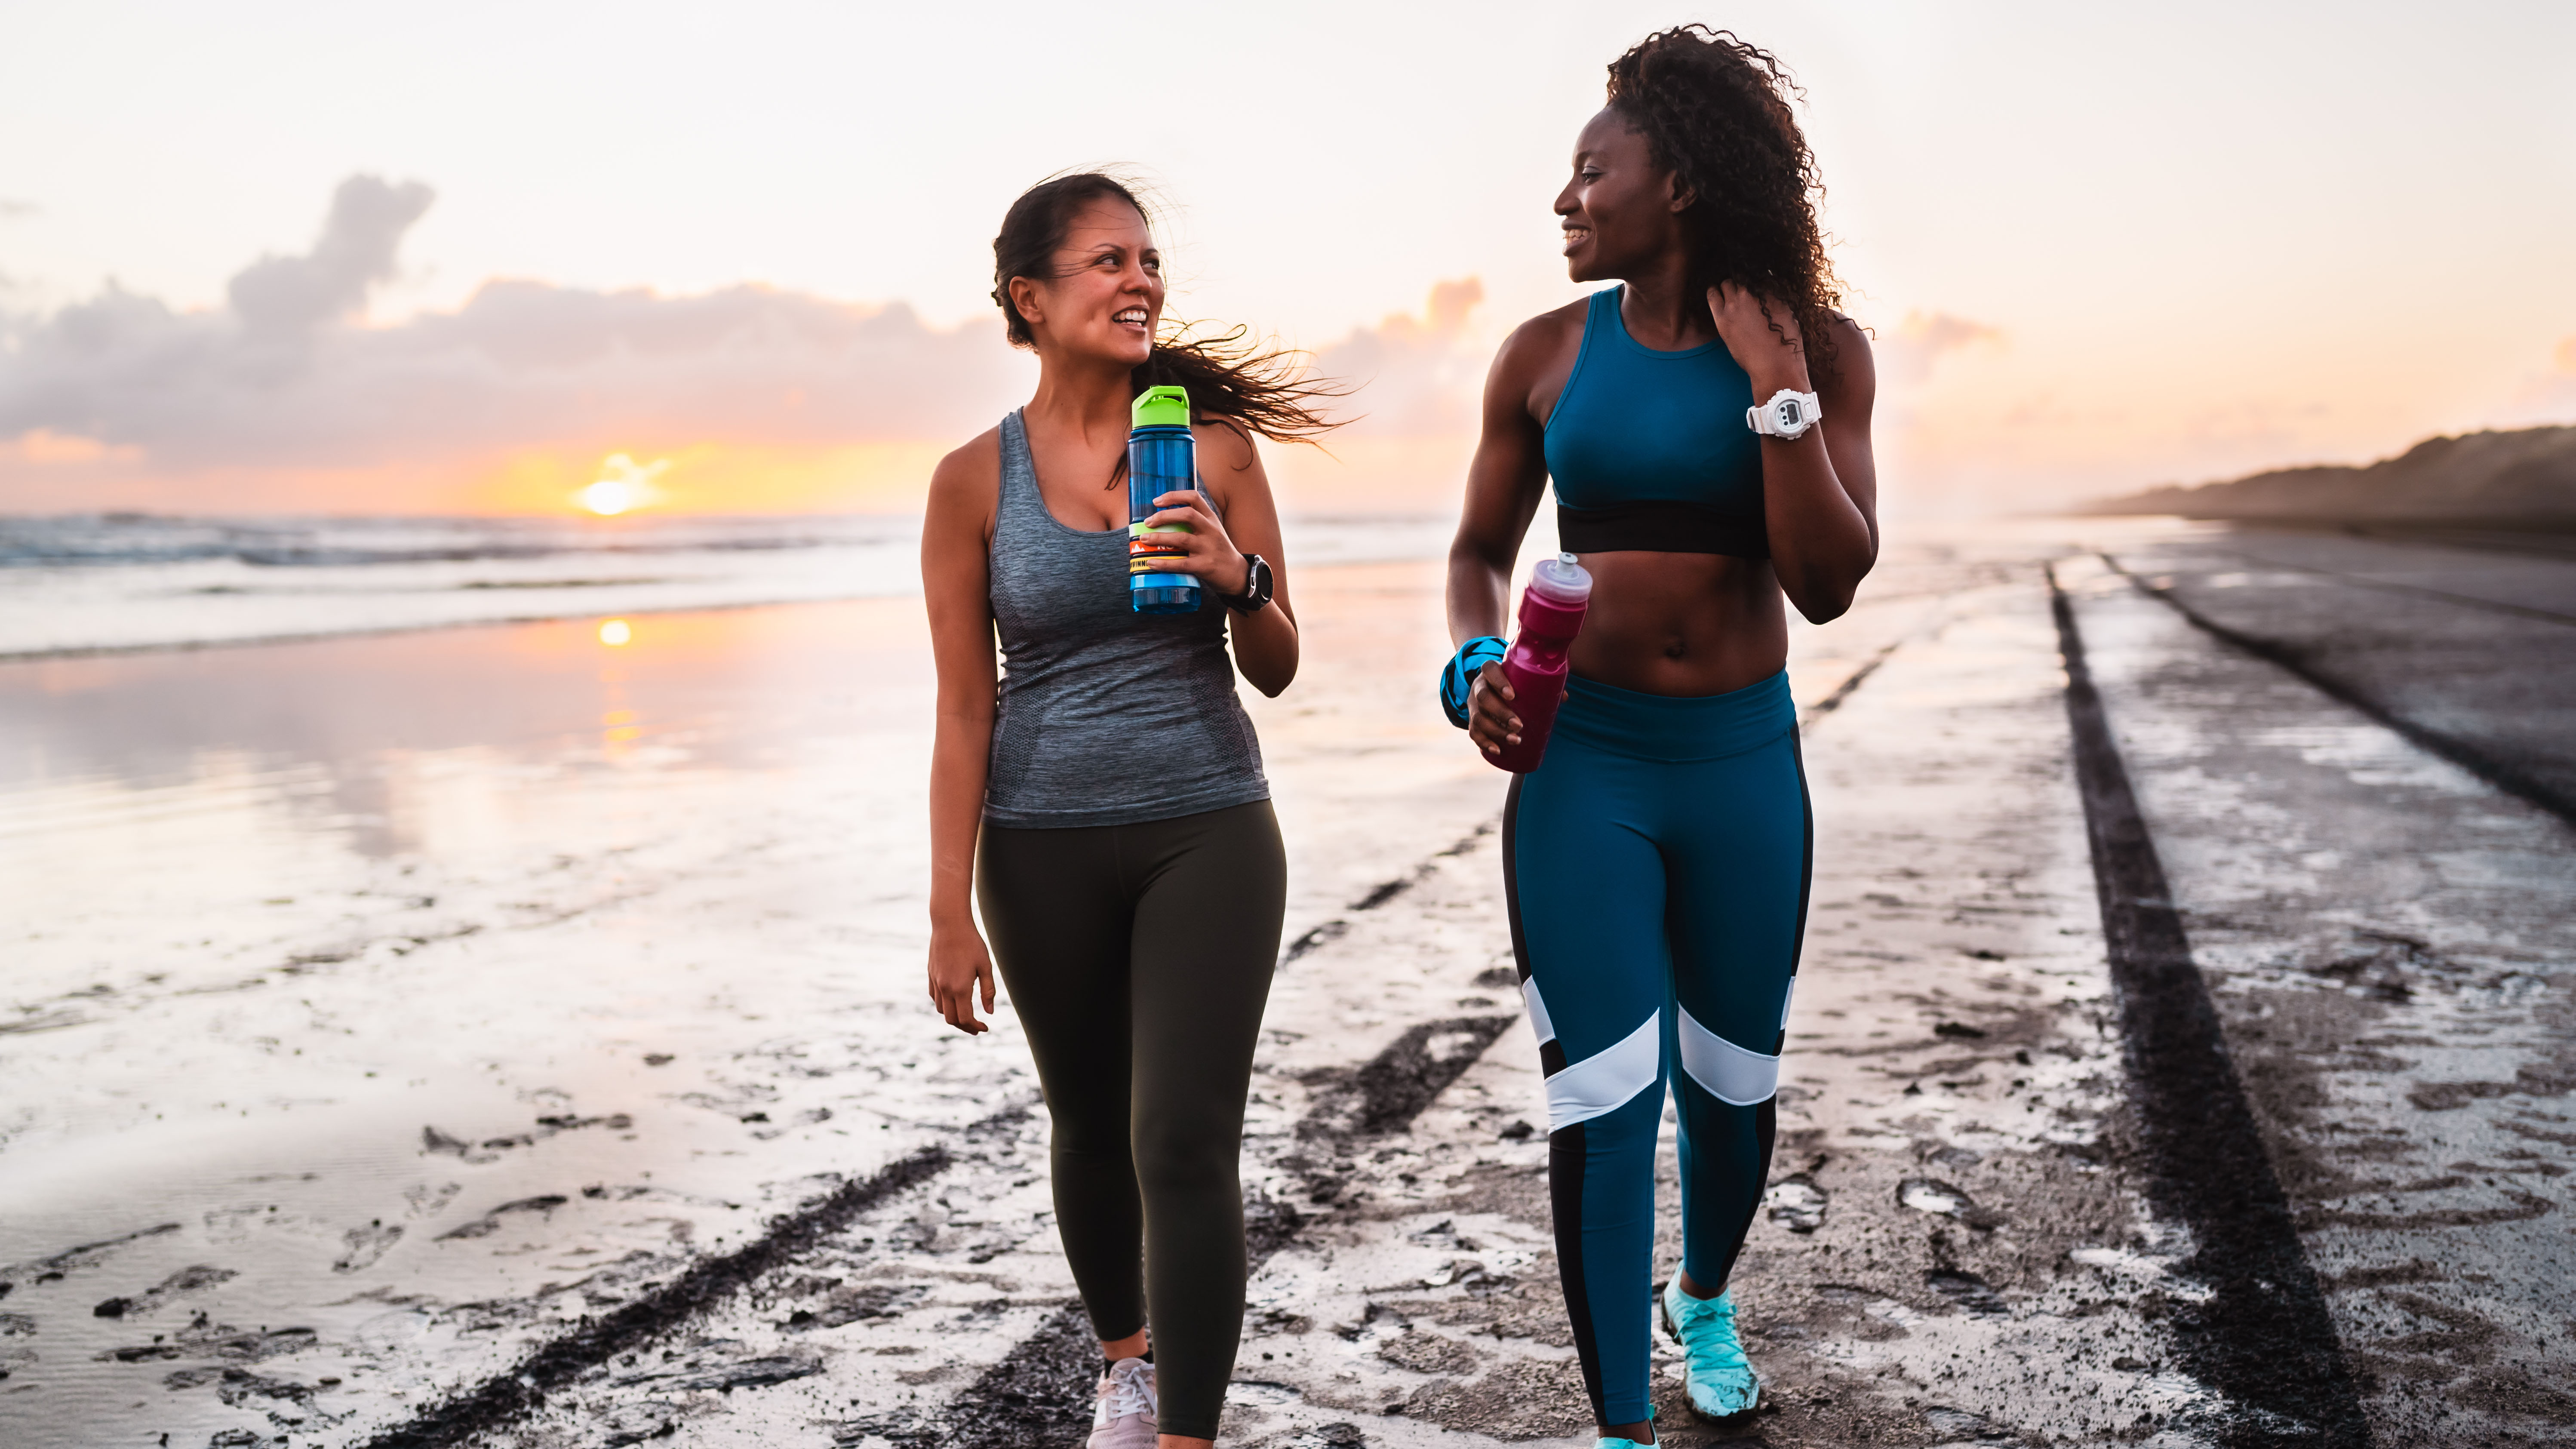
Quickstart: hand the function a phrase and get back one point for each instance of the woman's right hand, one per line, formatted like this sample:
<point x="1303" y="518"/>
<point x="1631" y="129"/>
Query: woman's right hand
<point x="959" y="965"/>
<point x="1490" y="721"/>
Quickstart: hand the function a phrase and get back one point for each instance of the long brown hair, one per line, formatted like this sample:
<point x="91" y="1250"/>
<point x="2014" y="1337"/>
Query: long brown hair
<point x="1231" y="378"/>
<point x="1715" y="111"/>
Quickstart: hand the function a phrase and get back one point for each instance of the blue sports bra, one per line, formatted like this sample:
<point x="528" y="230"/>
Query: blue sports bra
<point x="1649" y="450"/>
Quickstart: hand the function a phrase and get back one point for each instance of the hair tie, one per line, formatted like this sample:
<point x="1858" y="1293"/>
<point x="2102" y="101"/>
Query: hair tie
<point x="1459" y="675"/>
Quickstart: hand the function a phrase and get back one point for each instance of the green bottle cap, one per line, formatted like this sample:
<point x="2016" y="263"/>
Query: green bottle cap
<point x="1162" y="407"/>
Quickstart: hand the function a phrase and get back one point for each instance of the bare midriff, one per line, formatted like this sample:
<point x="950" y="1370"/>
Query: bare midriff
<point x="1681" y="624"/>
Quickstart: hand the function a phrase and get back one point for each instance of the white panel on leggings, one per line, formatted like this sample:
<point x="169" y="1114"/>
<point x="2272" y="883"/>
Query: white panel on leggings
<point x="1606" y="1080"/>
<point x="1726" y="1071"/>
<point x="1784" y="1002"/>
<point x="1539" y="1023"/>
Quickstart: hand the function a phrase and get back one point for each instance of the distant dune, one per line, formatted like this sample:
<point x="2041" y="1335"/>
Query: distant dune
<point x="2525" y="478"/>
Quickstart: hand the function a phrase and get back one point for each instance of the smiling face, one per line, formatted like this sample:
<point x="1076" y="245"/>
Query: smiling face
<point x="1106" y="296"/>
<point x="1621" y="211"/>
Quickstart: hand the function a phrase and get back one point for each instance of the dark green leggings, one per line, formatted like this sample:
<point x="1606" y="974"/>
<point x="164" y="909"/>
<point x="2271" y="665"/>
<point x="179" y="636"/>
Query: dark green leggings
<point x="1138" y="958"/>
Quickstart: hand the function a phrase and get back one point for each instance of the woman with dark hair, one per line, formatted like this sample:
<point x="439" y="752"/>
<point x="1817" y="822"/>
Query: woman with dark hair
<point x="1706" y="424"/>
<point x="1102" y="802"/>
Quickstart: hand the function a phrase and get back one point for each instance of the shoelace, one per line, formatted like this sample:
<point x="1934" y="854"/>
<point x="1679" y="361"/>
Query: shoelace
<point x="1127" y="1392"/>
<point x="1713" y="1332"/>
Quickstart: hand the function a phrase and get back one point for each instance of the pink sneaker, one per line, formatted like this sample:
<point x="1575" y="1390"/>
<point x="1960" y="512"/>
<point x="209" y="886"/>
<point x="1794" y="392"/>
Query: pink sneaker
<point x="1124" y="1416"/>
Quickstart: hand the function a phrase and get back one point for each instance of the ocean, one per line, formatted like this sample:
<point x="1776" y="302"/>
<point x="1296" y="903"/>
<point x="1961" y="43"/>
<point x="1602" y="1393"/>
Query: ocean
<point x="112" y="582"/>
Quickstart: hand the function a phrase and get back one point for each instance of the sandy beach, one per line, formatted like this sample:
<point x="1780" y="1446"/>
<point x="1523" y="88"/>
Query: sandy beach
<point x="503" y="1035"/>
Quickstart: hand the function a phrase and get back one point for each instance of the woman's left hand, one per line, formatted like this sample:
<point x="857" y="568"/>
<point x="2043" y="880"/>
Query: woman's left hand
<point x="1768" y="345"/>
<point x="1208" y="554"/>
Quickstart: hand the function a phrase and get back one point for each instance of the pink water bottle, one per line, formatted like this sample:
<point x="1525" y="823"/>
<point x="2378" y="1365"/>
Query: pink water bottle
<point x="1551" y="614"/>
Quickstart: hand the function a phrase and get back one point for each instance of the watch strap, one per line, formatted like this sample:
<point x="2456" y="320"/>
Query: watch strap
<point x="1766" y="418"/>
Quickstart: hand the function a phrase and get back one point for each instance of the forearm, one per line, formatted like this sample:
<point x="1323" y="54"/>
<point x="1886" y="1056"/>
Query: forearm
<point x="1265" y="647"/>
<point x="1820" y="490"/>
<point x="1479" y="591"/>
<point x="960" y="756"/>
<point x="1822" y="544"/>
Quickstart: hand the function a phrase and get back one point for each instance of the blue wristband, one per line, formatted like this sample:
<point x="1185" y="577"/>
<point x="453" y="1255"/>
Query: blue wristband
<point x="1460" y="675"/>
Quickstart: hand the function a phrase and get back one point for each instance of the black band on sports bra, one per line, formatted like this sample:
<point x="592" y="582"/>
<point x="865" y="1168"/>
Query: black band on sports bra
<point x="1657" y="525"/>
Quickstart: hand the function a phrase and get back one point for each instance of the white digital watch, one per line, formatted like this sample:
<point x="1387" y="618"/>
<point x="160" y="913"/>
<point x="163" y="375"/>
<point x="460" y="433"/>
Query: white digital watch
<point x="1787" y="415"/>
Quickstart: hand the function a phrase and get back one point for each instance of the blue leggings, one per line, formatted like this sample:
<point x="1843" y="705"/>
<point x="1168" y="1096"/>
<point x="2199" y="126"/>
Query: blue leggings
<point x="1656" y="867"/>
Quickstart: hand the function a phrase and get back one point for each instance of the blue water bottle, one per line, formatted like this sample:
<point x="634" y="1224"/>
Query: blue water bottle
<point x="1161" y="458"/>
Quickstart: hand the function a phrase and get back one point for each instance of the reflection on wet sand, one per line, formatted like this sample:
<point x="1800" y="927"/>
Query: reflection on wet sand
<point x="381" y="720"/>
<point x="296" y="925"/>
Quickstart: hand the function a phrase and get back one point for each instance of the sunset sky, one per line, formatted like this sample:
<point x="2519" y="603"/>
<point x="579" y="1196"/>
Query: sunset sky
<point x="349" y="259"/>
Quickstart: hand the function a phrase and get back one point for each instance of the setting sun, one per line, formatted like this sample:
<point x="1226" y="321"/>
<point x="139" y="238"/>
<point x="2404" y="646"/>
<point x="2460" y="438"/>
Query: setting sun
<point x="623" y="484"/>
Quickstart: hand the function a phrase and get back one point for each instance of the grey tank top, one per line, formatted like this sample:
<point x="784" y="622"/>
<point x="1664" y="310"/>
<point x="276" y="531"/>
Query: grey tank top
<point x="1107" y="716"/>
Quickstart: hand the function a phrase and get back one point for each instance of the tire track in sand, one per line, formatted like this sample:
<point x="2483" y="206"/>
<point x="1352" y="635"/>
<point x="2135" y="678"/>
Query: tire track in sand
<point x="2263" y="1337"/>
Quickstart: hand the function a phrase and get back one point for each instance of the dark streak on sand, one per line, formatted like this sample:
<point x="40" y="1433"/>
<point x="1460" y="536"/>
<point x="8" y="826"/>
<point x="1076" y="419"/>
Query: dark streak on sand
<point x="1384" y="891"/>
<point x="1324" y="934"/>
<point x="2499" y="773"/>
<point x="1393" y="1087"/>
<point x="2264" y="1338"/>
<point x="1843" y="691"/>
<point x="87" y="1255"/>
<point x="513" y="1395"/>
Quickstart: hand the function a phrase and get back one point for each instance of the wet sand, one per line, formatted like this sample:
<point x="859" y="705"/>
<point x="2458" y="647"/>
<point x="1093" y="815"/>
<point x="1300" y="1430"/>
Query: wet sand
<point x="383" y="1011"/>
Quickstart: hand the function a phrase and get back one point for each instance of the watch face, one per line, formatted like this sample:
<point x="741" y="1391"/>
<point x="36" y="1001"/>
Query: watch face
<point x="1256" y="585"/>
<point x="1791" y="413"/>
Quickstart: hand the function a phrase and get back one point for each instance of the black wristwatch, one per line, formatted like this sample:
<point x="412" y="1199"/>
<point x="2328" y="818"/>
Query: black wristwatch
<point x="1256" y="587"/>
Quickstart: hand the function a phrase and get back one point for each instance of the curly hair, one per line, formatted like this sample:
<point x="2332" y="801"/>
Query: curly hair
<point x="1715" y="111"/>
<point x="1231" y="379"/>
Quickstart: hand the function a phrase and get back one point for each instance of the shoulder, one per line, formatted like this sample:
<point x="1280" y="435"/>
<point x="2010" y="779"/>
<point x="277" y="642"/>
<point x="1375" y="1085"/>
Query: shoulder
<point x="1229" y="462"/>
<point x="1538" y="349"/>
<point x="1855" y="368"/>
<point x="971" y="471"/>
<point x="1223" y="443"/>
<point x="967" y="484"/>
<point x="1532" y="365"/>
<point x="1547" y="333"/>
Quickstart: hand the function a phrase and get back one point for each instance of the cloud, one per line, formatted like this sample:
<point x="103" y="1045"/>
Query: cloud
<point x="284" y="299"/>
<point x="1906" y="355"/>
<point x="1413" y="414"/>
<point x="2547" y="397"/>
<point x="41" y="445"/>
<point x="1419" y="377"/>
<point x="287" y="375"/>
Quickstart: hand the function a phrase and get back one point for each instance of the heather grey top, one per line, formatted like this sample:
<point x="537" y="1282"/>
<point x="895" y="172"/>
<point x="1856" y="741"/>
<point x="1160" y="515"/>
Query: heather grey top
<point x="1108" y="717"/>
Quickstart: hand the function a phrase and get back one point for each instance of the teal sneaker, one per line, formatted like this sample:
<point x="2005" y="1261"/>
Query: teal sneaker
<point x="1715" y="1375"/>
<point x="1609" y="1443"/>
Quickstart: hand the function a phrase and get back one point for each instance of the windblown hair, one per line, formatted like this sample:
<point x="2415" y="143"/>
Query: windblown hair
<point x="1232" y="380"/>
<point x="1715" y="111"/>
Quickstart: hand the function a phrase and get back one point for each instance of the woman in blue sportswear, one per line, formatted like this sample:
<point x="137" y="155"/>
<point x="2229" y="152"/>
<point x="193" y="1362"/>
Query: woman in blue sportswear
<point x="1706" y="423"/>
